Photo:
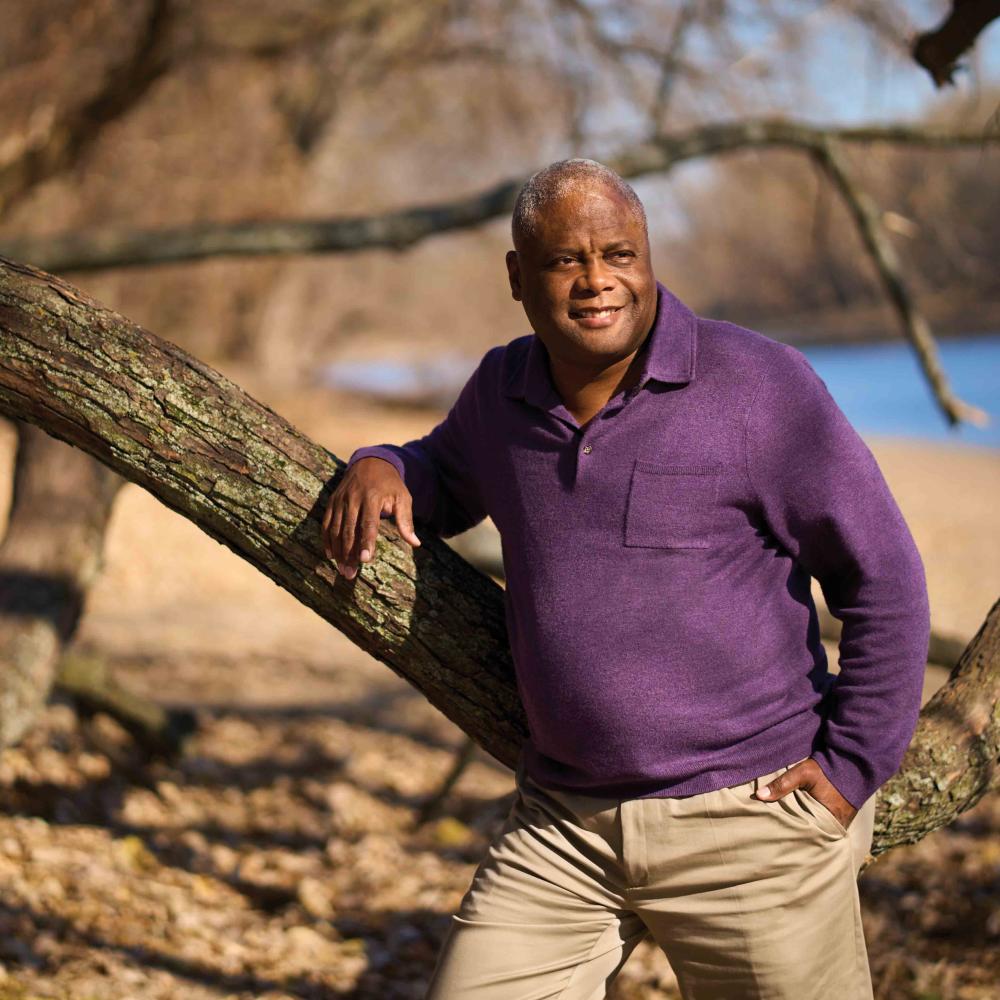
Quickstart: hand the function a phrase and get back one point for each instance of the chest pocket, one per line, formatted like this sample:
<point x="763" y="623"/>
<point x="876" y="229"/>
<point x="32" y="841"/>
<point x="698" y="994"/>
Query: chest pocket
<point x="670" y="506"/>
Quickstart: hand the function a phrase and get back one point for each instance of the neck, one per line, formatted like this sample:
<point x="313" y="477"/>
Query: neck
<point x="584" y="391"/>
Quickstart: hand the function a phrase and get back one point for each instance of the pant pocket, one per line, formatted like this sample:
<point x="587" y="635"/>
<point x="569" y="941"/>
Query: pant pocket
<point x="819" y="813"/>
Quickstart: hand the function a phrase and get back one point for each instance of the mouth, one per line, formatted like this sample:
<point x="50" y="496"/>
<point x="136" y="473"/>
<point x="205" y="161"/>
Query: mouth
<point x="595" y="316"/>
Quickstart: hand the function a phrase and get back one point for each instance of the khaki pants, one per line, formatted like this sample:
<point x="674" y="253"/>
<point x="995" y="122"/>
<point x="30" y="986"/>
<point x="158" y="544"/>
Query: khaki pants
<point x="747" y="898"/>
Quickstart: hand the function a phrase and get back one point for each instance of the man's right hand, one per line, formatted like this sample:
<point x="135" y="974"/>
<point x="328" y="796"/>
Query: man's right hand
<point x="371" y="487"/>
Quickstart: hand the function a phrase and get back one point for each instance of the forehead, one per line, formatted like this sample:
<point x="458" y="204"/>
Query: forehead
<point x="586" y="214"/>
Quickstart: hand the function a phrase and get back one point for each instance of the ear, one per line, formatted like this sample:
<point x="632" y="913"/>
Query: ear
<point x="514" y="274"/>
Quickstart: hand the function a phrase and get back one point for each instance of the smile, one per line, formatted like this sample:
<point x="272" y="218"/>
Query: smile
<point x="595" y="317"/>
<point x="577" y="313"/>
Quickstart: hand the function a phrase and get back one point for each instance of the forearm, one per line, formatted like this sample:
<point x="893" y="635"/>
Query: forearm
<point x="875" y="703"/>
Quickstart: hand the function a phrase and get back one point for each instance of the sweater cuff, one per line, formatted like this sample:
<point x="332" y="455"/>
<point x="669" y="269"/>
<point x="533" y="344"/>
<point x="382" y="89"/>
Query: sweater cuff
<point x="378" y="451"/>
<point x="852" y="777"/>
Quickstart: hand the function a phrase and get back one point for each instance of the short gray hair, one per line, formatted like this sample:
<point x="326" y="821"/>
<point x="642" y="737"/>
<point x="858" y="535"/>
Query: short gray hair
<point x="562" y="178"/>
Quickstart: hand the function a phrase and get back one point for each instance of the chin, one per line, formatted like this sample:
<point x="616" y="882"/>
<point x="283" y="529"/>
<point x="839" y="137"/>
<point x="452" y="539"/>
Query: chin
<point x="607" y="350"/>
<point x="615" y="339"/>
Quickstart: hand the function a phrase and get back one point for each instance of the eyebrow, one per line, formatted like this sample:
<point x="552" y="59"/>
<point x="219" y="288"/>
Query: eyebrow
<point x="616" y="245"/>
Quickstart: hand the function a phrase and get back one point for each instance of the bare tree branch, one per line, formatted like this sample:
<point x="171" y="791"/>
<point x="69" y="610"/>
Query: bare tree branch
<point x="162" y="419"/>
<point x="938" y="51"/>
<point x="867" y="218"/>
<point x="888" y="23"/>
<point x="398" y="230"/>
<point x="100" y="249"/>
<point x="671" y="63"/>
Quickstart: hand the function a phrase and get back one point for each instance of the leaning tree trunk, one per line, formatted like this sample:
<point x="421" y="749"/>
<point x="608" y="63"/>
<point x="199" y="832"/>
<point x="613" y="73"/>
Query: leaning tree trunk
<point x="245" y="476"/>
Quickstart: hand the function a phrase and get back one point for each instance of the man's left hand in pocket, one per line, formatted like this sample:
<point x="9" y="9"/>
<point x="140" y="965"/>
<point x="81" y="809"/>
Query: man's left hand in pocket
<point x="809" y="775"/>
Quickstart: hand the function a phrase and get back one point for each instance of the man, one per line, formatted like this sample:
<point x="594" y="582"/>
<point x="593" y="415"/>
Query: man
<point x="665" y="486"/>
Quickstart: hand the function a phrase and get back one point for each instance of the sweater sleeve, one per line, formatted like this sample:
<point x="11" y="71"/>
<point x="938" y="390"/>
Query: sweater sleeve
<point x="823" y="496"/>
<point x="439" y="468"/>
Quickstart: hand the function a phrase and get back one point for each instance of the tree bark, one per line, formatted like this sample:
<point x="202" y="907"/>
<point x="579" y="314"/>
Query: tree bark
<point x="952" y="760"/>
<point x="244" y="475"/>
<point x="50" y="556"/>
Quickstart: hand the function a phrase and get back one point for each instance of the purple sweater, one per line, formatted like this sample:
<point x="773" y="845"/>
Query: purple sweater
<point x="658" y="564"/>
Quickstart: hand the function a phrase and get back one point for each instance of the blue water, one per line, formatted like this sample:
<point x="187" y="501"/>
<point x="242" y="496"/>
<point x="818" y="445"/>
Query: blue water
<point x="882" y="390"/>
<point x="442" y="373"/>
<point x="878" y="386"/>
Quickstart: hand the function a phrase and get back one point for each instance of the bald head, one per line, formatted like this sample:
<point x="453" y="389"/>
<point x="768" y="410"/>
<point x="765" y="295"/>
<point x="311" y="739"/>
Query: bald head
<point x="566" y="178"/>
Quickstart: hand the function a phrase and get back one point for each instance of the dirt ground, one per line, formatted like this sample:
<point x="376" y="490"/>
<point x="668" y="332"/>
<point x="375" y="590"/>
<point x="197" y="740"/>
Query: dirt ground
<point x="278" y="857"/>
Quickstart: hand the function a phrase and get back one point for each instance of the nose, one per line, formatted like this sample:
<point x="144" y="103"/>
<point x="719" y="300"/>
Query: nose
<point x="596" y="276"/>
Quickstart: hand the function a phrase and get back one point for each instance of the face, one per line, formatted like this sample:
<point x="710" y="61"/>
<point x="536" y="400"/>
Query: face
<point x="585" y="279"/>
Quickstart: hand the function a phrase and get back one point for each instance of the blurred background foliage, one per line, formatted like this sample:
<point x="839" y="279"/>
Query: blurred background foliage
<point x="152" y="114"/>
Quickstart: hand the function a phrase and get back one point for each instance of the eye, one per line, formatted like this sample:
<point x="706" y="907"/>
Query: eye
<point x="563" y="261"/>
<point x="622" y="254"/>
